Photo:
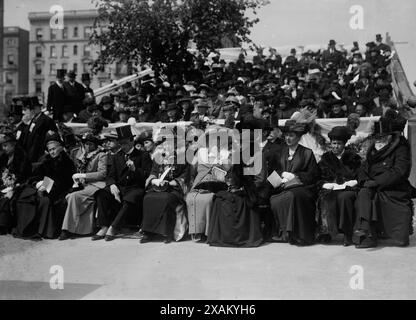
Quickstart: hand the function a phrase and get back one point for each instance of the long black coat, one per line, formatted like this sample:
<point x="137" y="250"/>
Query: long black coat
<point x="335" y="209"/>
<point x="334" y="170"/>
<point x="130" y="183"/>
<point x="44" y="214"/>
<point x="388" y="204"/>
<point x="56" y="101"/>
<point x="34" y="140"/>
<point x="75" y="95"/>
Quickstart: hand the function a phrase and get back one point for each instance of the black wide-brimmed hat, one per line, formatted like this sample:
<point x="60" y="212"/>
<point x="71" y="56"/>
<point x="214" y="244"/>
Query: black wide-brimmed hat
<point x="145" y="136"/>
<point x="340" y="133"/>
<point x="53" y="137"/>
<point x="90" y="137"/>
<point x="391" y="122"/>
<point x="291" y="126"/>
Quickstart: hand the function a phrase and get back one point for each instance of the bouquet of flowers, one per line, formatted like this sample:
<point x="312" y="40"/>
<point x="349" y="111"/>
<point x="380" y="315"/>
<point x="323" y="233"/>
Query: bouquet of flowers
<point x="9" y="179"/>
<point x="9" y="183"/>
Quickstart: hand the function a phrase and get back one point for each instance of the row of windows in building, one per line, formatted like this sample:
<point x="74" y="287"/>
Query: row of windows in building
<point x="53" y="33"/>
<point x="53" y="67"/>
<point x="39" y="89"/>
<point x="53" y="52"/>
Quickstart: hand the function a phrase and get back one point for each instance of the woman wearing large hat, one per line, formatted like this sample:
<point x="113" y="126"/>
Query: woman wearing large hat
<point x="294" y="192"/>
<point x="339" y="169"/>
<point x="384" y="202"/>
<point x="164" y="200"/>
<point x="213" y="161"/>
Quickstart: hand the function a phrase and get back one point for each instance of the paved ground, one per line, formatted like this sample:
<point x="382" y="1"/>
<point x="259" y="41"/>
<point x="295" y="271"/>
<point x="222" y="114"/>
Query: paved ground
<point x="125" y="269"/>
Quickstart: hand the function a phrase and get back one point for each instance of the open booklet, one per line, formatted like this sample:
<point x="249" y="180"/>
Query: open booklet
<point x="277" y="181"/>
<point x="48" y="184"/>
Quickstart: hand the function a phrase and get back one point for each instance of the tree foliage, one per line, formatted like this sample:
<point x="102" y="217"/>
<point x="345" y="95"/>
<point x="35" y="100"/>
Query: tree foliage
<point x="158" y="32"/>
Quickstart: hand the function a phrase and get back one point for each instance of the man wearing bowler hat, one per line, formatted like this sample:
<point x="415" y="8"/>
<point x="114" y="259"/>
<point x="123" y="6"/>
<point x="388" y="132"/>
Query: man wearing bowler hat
<point x="122" y="199"/>
<point x="75" y="92"/>
<point x="57" y="96"/>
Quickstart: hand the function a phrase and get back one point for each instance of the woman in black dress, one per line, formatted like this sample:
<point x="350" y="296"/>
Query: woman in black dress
<point x="235" y="219"/>
<point x="293" y="202"/>
<point x="335" y="207"/>
<point x="164" y="199"/>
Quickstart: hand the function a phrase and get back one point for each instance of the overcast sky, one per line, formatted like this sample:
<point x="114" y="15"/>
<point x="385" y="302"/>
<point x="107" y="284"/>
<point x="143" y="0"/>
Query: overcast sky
<point x="292" y="22"/>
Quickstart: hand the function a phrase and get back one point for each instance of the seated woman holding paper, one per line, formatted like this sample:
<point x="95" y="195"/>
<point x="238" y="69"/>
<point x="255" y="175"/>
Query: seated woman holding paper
<point x="235" y="220"/>
<point x="41" y="205"/>
<point x="335" y="206"/>
<point x="208" y="177"/>
<point x="293" y="203"/>
<point x="91" y="164"/>
<point x="163" y="203"/>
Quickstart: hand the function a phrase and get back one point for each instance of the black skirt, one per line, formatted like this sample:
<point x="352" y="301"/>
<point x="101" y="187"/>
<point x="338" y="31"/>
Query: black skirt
<point x="233" y="222"/>
<point x="294" y="213"/>
<point x="159" y="212"/>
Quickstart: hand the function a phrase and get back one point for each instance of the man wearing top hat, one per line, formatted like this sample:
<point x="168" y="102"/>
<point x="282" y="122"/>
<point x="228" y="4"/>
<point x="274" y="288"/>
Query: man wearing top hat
<point x="86" y="82"/>
<point x="75" y="92"/>
<point x="57" y="95"/>
<point x="34" y="139"/>
<point x="380" y="46"/>
<point x="121" y="199"/>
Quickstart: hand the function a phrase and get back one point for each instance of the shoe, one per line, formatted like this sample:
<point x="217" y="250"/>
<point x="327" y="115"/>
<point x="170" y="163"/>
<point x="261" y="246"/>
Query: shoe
<point x="145" y="239"/>
<point x="3" y="231"/>
<point x="167" y="240"/>
<point x="367" y="243"/>
<point x="109" y="238"/>
<point x="65" y="235"/>
<point x="347" y="241"/>
<point x="324" y="238"/>
<point x="97" y="238"/>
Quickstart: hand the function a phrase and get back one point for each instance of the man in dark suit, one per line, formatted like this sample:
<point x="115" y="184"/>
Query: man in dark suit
<point x="331" y="54"/>
<point x="123" y="196"/>
<point x="75" y="92"/>
<point x="57" y="96"/>
<point x="34" y="139"/>
<point x="86" y="82"/>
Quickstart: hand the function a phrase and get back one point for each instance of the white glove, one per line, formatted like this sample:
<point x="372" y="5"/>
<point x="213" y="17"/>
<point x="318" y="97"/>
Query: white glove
<point x="328" y="186"/>
<point x="115" y="192"/>
<point x="351" y="183"/>
<point x="79" y="176"/>
<point x="156" y="182"/>
<point x="287" y="175"/>
<point x="130" y="165"/>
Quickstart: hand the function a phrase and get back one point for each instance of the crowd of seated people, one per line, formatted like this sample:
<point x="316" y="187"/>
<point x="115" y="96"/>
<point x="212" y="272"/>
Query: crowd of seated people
<point x="308" y="189"/>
